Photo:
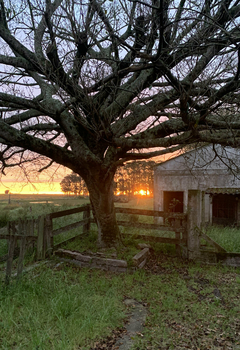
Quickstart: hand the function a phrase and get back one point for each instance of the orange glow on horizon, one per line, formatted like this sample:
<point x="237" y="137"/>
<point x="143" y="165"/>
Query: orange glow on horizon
<point x="34" y="188"/>
<point x="142" y="193"/>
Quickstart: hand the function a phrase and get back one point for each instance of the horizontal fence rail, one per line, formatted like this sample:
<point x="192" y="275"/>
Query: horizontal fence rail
<point x="69" y="227"/>
<point x="154" y="213"/>
<point x="67" y="212"/>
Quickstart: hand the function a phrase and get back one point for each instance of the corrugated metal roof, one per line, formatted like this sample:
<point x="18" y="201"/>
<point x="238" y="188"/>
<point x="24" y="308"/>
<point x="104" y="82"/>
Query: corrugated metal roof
<point x="223" y="191"/>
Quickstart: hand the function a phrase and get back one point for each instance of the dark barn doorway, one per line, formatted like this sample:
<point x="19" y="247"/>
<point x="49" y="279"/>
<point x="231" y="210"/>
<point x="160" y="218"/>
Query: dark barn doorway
<point x="224" y="209"/>
<point x="173" y="201"/>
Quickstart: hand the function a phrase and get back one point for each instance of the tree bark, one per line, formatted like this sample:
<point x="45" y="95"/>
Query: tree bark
<point x="102" y="201"/>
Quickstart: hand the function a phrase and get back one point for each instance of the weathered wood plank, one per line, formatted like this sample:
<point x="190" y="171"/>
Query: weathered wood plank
<point x="40" y="241"/>
<point x="69" y="227"/>
<point x="86" y="218"/>
<point x="48" y="234"/>
<point x="142" y="225"/>
<point x="12" y="243"/>
<point x="154" y="239"/>
<point x="59" y="214"/>
<point x="150" y="213"/>
<point x="140" y="256"/>
<point x="177" y="228"/>
<point x="22" y="249"/>
<point x="32" y="238"/>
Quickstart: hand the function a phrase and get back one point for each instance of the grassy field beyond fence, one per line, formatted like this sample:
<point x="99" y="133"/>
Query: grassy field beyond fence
<point x="227" y="237"/>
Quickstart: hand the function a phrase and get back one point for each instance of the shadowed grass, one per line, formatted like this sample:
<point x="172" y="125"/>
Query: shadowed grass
<point x="61" y="307"/>
<point x="227" y="237"/>
<point x="58" y="309"/>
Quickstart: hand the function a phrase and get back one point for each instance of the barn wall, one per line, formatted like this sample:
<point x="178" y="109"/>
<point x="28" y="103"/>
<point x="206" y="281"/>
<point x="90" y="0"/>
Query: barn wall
<point x="193" y="171"/>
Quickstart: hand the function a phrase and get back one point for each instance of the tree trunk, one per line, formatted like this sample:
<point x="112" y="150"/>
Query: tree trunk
<point x="102" y="201"/>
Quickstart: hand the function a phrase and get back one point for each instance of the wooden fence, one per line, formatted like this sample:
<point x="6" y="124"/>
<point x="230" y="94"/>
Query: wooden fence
<point x="176" y="222"/>
<point x="22" y="235"/>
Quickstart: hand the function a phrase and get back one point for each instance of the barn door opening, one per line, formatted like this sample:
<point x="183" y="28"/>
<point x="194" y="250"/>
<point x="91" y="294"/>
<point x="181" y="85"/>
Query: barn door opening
<point x="224" y="209"/>
<point x="173" y="201"/>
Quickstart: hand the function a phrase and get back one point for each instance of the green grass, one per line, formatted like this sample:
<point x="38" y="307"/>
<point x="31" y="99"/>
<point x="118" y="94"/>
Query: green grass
<point x="59" y="309"/>
<point x="31" y="206"/>
<point x="57" y="306"/>
<point x="227" y="237"/>
<point x="62" y="307"/>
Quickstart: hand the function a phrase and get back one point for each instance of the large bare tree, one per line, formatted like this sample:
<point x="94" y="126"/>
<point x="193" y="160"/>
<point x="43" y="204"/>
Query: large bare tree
<point x="91" y="84"/>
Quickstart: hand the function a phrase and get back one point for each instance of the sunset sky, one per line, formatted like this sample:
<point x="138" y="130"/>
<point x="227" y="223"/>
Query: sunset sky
<point x="32" y="182"/>
<point x="27" y="188"/>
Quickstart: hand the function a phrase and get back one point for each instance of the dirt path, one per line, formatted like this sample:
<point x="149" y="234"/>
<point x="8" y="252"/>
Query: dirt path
<point x="135" y="325"/>
<point x="123" y="338"/>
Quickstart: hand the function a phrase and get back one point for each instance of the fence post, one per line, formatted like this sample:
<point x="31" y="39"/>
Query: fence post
<point x="48" y="234"/>
<point x="11" y="246"/>
<point x="203" y="210"/>
<point x="86" y="216"/>
<point x="194" y="219"/>
<point x="41" y="241"/>
<point x="23" y="230"/>
<point x="177" y="226"/>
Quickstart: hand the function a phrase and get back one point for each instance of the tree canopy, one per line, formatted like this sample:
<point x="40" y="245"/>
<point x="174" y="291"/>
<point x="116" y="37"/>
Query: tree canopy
<point x="93" y="84"/>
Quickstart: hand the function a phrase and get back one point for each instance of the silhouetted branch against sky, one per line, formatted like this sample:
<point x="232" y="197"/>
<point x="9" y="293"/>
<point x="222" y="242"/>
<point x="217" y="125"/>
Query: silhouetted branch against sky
<point x="84" y="83"/>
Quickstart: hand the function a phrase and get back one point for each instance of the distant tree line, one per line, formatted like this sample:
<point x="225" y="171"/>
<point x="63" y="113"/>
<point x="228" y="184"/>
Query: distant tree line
<point x="135" y="177"/>
<point x="129" y="179"/>
<point x="73" y="184"/>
